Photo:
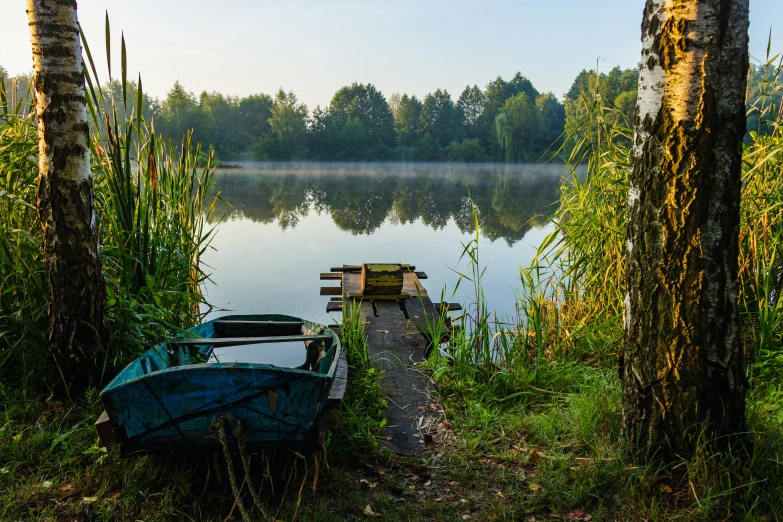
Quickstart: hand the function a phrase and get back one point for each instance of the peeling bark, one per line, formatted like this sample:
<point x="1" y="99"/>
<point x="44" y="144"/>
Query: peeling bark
<point x="682" y="366"/>
<point x="76" y="288"/>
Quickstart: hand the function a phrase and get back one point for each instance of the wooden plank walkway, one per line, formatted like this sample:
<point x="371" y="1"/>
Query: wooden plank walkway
<point x="396" y="344"/>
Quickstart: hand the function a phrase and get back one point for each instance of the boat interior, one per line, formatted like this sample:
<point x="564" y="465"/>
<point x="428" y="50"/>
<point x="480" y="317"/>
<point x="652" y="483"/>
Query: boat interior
<point x="241" y="339"/>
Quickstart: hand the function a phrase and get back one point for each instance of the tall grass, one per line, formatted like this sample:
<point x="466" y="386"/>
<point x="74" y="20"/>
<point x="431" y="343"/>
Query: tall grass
<point x="570" y="303"/>
<point x="22" y="286"/>
<point x="152" y="202"/>
<point x="153" y="199"/>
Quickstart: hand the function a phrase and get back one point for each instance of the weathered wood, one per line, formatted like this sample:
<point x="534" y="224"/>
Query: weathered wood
<point x="395" y="346"/>
<point x="381" y="279"/>
<point x="451" y="307"/>
<point x="330" y="275"/>
<point x="337" y="392"/>
<point x="236" y="341"/>
<point x="331" y="290"/>
<point x="105" y="430"/>
<point x="358" y="268"/>
<point x="256" y="328"/>
<point x="391" y="297"/>
<point x="334" y="306"/>
<point x="261" y="323"/>
<point x="420" y="308"/>
<point x="421" y="275"/>
<point x="174" y="407"/>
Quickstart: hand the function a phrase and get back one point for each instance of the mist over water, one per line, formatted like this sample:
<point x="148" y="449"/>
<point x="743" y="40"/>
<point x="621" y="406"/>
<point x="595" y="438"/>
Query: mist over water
<point x="281" y="224"/>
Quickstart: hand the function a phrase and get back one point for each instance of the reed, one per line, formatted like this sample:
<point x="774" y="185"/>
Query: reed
<point x="22" y="286"/>
<point x="153" y="201"/>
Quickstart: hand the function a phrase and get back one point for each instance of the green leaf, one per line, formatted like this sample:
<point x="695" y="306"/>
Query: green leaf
<point x="108" y="44"/>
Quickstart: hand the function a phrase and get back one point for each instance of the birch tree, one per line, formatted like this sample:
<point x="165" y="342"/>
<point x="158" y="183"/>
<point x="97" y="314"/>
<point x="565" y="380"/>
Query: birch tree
<point x="76" y="288"/>
<point x="682" y="367"/>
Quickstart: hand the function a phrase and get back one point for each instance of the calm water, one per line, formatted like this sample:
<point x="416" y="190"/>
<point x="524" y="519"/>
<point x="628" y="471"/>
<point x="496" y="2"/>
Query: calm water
<point x="287" y="223"/>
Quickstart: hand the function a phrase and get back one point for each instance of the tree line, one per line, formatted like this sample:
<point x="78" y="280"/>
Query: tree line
<point x="507" y="120"/>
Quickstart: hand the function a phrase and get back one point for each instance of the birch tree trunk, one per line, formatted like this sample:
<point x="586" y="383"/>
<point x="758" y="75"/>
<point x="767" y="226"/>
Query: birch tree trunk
<point x="682" y="366"/>
<point x="76" y="288"/>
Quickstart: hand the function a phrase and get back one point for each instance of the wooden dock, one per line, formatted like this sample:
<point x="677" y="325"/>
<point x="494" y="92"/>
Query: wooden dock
<point x="397" y="339"/>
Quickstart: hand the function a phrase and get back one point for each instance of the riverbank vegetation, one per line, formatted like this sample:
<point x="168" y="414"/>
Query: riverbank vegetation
<point x="532" y="403"/>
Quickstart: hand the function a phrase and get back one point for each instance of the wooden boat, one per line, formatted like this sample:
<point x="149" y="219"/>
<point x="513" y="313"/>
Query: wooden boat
<point x="274" y="373"/>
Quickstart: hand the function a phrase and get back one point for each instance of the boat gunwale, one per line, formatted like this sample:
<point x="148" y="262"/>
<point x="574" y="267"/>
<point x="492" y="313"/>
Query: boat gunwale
<point x="157" y="348"/>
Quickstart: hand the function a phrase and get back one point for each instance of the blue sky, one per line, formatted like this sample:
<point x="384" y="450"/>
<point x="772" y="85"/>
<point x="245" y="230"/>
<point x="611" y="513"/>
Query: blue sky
<point x="314" y="47"/>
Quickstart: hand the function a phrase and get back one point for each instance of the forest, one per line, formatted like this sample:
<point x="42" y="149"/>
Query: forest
<point x="507" y="120"/>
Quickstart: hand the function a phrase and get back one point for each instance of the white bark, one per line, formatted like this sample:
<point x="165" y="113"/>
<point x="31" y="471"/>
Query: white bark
<point x="75" y="284"/>
<point x="53" y="24"/>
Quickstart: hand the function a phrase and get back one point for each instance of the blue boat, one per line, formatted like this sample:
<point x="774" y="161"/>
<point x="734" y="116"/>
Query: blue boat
<point x="276" y="374"/>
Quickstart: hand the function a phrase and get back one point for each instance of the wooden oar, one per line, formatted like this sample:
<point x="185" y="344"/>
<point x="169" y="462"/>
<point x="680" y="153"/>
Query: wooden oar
<point x="234" y="341"/>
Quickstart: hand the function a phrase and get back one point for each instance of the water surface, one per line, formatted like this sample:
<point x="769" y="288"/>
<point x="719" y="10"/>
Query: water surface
<point x="286" y="223"/>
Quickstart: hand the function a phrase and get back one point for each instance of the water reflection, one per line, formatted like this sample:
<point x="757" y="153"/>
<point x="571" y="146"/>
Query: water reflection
<point x="284" y="224"/>
<point x="511" y="200"/>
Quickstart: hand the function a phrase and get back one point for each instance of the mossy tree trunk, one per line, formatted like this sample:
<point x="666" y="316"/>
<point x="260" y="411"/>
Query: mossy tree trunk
<point x="682" y="366"/>
<point x="76" y="288"/>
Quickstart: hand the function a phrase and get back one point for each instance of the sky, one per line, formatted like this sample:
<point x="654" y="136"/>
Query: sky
<point x="314" y="47"/>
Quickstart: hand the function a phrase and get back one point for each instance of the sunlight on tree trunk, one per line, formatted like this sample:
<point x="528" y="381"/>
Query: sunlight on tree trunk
<point x="76" y="288"/>
<point x="682" y="366"/>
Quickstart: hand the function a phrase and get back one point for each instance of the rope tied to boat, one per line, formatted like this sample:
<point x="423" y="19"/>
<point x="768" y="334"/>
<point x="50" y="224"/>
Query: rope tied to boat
<point x="219" y="425"/>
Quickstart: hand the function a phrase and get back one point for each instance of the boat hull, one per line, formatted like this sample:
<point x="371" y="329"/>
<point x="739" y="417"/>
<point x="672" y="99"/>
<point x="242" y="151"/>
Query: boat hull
<point x="157" y="405"/>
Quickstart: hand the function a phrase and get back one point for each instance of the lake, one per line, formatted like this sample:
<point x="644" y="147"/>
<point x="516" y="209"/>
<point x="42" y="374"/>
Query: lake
<point x="280" y="225"/>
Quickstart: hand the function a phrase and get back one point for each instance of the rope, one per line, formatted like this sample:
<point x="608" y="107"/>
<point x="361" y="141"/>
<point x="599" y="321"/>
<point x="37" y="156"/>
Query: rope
<point x="220" y="426"/>
<point x="236" y="430"/>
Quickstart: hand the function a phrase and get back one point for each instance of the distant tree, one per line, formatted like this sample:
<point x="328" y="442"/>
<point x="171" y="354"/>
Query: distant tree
<point x="428" y="149"/>
<point x="468" y="150"/>
<point x="288" y="125"/>
<point x="323" y="136"/>
<point x="228" y="138"/>
<point x="76" y="287"/>
<point x="551" y="123"/>
<point x="254" y="113"/>
<point x="366" y="104"/>
<point x="440" y="117"/>
<point x="517" y="126"/>
<point x="471" y="105"/>
<point x="407" y="120"/>
<point x="626" y="104"/>
<point x="682" y="367"/>
<point x="592" y="93"/>
<point x="176" y="106"/>
<point x="394" y="102"/>
<point x="495" y="95"/>
<point x="113" y="91"/>
<point x="354" y="139"/>
<point x="180" y="111"/>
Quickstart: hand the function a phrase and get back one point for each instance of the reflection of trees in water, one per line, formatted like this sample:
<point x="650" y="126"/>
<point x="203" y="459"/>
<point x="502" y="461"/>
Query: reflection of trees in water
<point x="509" y="205"/>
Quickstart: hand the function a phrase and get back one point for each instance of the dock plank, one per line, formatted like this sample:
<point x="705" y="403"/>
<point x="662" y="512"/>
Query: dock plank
<point x="337" y="392"/>
<point x="395" y="347"/>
